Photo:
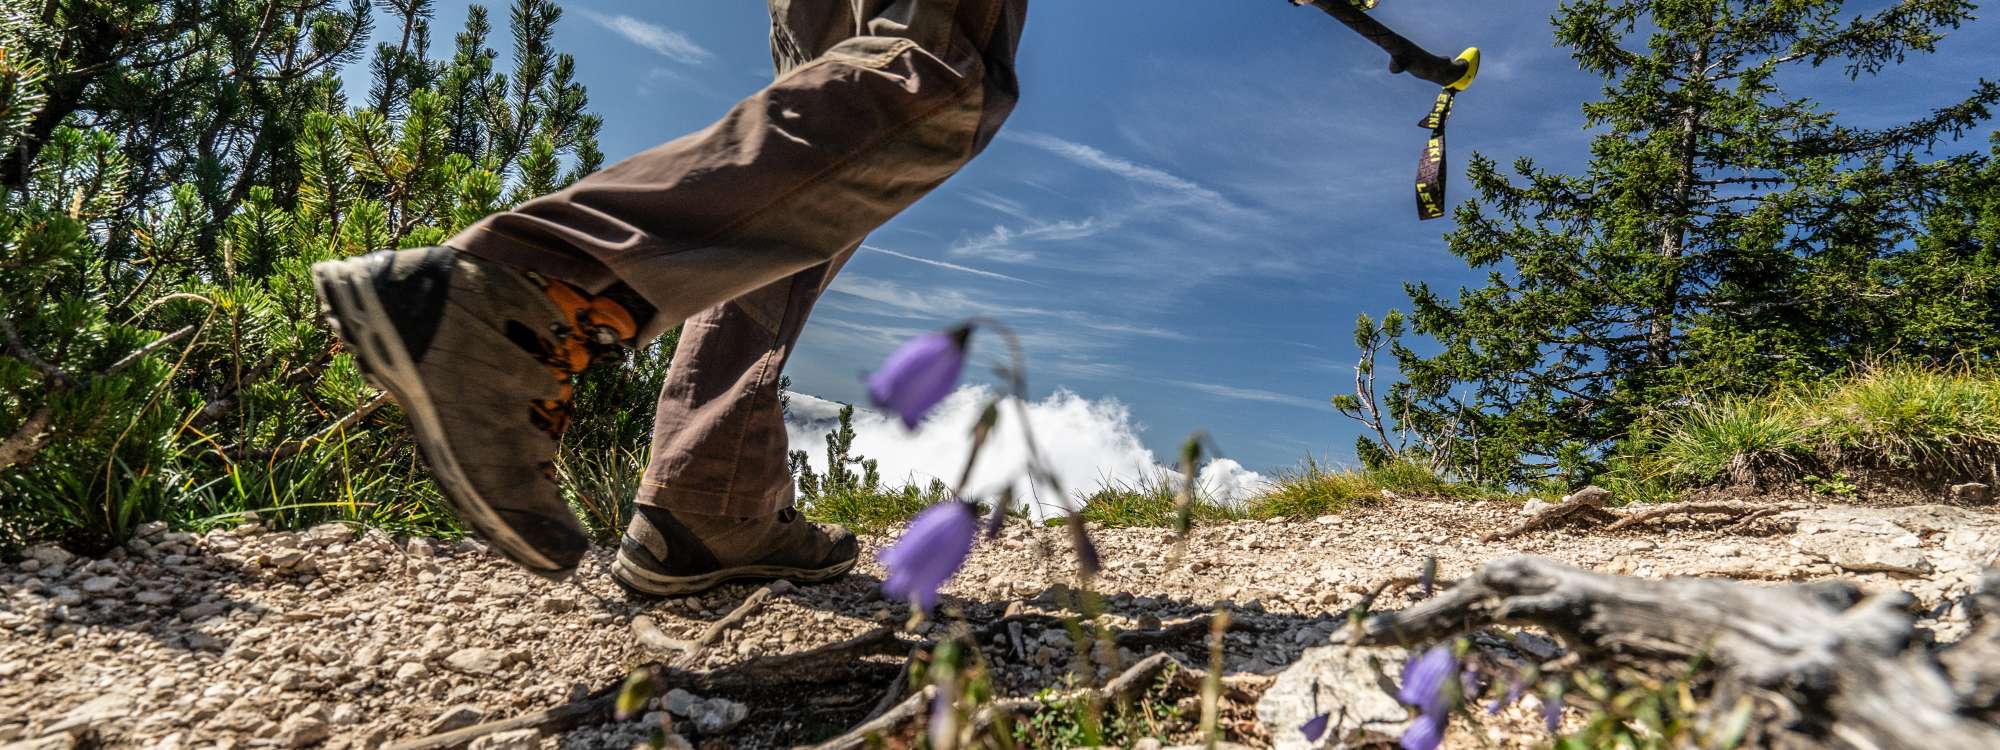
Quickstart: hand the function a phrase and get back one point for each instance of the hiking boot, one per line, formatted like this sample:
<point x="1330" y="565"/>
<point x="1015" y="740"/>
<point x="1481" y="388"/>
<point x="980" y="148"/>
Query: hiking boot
<point x="483" y="359"/>
<point x="675" y="553"/>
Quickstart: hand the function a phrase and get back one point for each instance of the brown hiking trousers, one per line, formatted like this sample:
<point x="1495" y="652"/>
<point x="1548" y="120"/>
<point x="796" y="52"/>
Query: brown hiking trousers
<point x="735" y="231"/>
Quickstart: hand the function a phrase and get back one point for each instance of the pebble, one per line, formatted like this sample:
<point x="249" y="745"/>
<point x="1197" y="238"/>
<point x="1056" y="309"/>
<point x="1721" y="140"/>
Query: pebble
<point x="303" y="731"/>
<point x="99" y="584"/>
<point x="456" y="717"/>
<point x="480" y="661"/>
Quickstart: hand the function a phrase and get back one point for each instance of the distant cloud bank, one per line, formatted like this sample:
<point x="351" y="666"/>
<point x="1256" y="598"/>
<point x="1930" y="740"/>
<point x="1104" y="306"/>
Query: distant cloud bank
<point x="1090" y="443"/>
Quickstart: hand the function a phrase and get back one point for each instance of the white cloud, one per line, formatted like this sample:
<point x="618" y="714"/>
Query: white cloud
<point x="1088" y="443"/>
<point x="668" y="42"/>
<point x="1003" y="243"/>
<point x="999" y="203"/>
<point x="1188" y="191"/>
<point x="1248" y="394"/>
<point x="944" y="265"/>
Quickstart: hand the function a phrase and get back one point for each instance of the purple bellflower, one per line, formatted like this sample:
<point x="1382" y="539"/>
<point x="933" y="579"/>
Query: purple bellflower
<point x="1514" y="691"/>
<point x="1426" y="732"/>
<point x="930" y="553"/>
<point x="1315" y="727"/>
<point x="919" y="374"/>
<point x="1427" y="686"/>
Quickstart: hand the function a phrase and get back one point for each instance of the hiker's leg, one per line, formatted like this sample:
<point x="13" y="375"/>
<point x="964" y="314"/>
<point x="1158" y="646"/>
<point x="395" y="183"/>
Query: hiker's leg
<point x="902" y="95"/>
<point x="715" y="502"/>
<point x="719" y="442"/>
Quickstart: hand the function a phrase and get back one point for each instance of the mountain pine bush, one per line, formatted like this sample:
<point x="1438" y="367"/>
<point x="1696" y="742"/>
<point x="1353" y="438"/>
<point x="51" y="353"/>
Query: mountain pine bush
<point x="171" y="170"/>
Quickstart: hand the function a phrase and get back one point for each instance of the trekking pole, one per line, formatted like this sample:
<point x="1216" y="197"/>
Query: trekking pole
<point x="1454" y="74"/>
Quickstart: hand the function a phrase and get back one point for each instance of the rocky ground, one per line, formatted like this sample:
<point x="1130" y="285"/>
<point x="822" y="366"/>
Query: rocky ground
<point x="326" y="638"/>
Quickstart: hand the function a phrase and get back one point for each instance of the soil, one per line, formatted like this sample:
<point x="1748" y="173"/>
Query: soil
<point x="329" y="638"/>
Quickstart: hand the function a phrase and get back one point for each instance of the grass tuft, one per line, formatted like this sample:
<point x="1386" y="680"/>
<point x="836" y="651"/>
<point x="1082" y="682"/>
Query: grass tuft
<point x="1314" y="490"/>
<point x="1151" y="502"/>
<point x="1896" y="423"/>
<point x="1933" y="422"/>
<point x="876" y="511"/>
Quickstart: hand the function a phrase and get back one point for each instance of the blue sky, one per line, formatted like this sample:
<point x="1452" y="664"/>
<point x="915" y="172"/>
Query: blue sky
<point x="1193" y="200"/>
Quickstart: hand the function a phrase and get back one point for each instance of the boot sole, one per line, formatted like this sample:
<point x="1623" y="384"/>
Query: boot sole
<point x="349" y="303"/>
<point x="637" y="578"/>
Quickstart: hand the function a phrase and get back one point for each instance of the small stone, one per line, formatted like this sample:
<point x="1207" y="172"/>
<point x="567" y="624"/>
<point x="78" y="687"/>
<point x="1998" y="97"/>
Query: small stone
<point x="681" y="702"/>
<point x="302" y="730"/>
<point x="481" y="661"/>
<point x="203" y="611"/>
<point x="288" y="679"/>
<point x="1533" y="506"/>
<point x="457" y="717"/>
<point x="329" y="534"/>
<point x="99" y="584"/>
<point x="1971" y="493"/>
<point x="519" y="739"/>
<point x="419" y="547"/>
<point x="345" y="714"/>
<point x="1593" y="496"/>
<point x="49" y="554"/>
<point x="558" y="605"/>
<point x="153" y="598"/>
<point x="285" y="559"/>
<point x="410" y="671"/>
<point x="718" y="715"/>
<point x="150" y="529"/>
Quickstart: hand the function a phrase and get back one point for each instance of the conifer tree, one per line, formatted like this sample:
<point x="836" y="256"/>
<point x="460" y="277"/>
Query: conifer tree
<point x="1711" y="244"/>
<point x="173" y="170"/>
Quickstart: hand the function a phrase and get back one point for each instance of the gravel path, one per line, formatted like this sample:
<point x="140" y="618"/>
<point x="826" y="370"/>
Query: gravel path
<point x="326" y="638"/>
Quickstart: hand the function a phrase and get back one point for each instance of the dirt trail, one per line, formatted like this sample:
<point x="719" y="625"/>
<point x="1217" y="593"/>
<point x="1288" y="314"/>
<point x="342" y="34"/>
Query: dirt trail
<point x="325" y="638"/>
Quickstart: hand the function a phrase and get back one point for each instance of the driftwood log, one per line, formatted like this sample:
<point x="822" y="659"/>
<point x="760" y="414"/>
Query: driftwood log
<point x="1827" y="664"/>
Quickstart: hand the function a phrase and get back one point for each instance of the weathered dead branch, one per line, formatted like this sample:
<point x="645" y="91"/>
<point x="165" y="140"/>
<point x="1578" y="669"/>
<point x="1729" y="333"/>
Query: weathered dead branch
<point x="834" y="662"/>
<point x="1552" y="515"/>
<point x="1744" y="512"/>
<point x="1831" y="665"/>
<point x="650" y="635"/>
<point x="1132" y="682"/>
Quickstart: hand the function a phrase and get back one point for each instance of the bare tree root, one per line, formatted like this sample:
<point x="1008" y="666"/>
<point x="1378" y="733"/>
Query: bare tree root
<point x="1131" y="683"/>
<point x="1826" y="664"/>
<point x="690" y="650"/>
<point x="834" y="662"/>
<point x="1555" y="514"/>
<point x="1745" y="512"/>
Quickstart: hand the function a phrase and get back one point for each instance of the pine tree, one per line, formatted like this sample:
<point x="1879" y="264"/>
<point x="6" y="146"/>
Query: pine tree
<point x="839" y="479"/>
<point x="176" y="167"/>
<point x="1702" y="250"/>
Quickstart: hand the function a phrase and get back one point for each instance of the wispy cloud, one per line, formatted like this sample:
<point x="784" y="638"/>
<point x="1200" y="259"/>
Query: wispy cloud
<point x="945" y="265"/>
<point x="1247" y="394"/>
<point x="1003" y="243"/>
<point x="1189" y="191"/>
<point x="1000" y="203"/>
<point x="668" y="42"/>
